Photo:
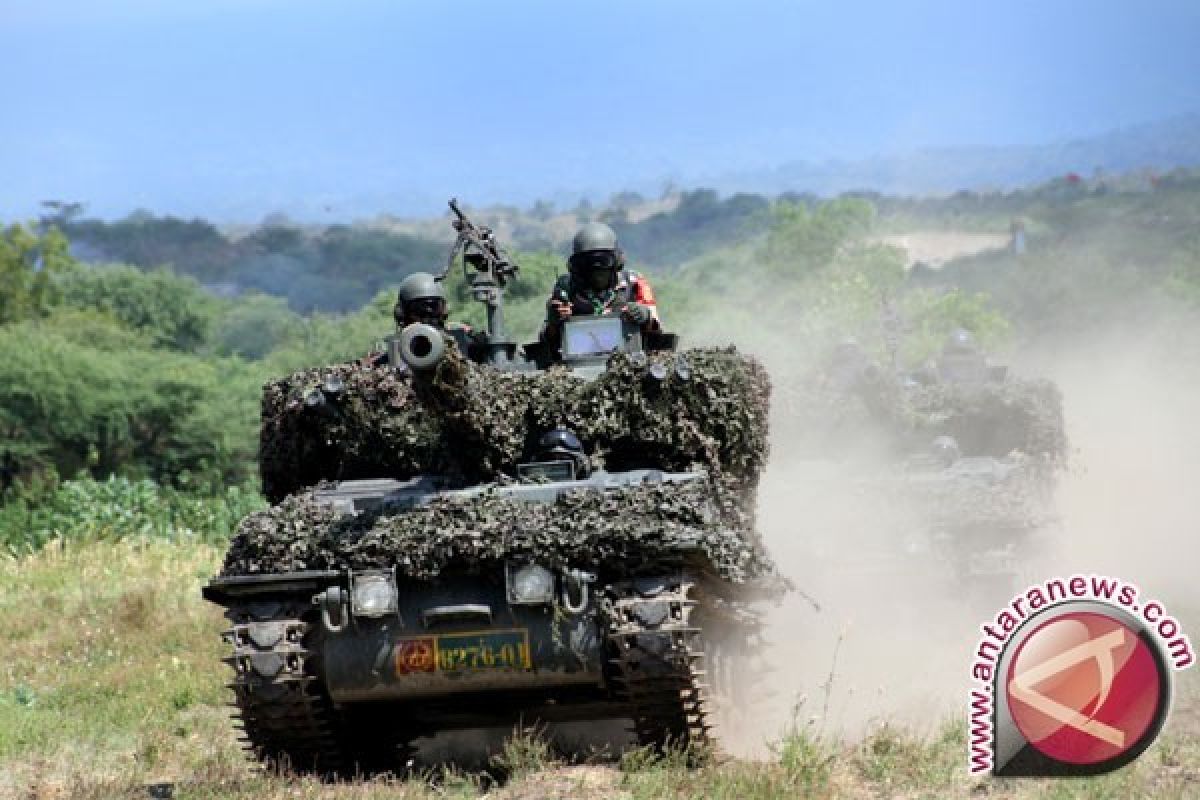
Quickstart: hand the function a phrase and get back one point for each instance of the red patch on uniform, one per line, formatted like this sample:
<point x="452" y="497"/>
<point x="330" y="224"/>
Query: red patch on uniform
<point x="642" y="293"/>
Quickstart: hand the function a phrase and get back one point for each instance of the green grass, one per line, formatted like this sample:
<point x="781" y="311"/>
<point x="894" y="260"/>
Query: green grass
<point x="113" y="683"/>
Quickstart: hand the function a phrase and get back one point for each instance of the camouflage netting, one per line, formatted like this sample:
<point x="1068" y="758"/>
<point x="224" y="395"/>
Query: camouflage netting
<point x="374" y="426"/>
<point x="616" y="532"/>
<point x="663" y="410"/>
<point x="1014" y="497"/>
<point x="994" y="418"/>
<point x="991" y="419"/>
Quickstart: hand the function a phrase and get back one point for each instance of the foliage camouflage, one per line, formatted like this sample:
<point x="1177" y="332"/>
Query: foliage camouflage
<point x="989" y="419"/>
<point x="992" y="418"/>
<point x="1003" y="495"/>
<point x="624" y="531"/>
<point x="375" y="427"/>
<point x="474" y="423"/>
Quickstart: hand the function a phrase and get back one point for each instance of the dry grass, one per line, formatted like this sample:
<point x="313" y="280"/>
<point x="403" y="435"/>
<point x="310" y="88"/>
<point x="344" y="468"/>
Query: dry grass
<point x="113" y="688"/>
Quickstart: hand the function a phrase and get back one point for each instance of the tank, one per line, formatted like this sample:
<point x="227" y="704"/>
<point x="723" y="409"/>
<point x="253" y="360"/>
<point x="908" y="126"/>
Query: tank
<point x="544" y="536"/>
<point x="964" y="455"/>
<point x="984" y="520"/>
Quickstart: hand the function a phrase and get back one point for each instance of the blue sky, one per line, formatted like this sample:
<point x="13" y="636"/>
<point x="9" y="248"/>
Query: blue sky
<point x="231" y="108"/>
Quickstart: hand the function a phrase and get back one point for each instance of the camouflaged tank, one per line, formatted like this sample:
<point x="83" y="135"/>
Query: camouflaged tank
<point x="542" y="536"/>
<point x="964" y="456"/>
<point x="973" y="524"/>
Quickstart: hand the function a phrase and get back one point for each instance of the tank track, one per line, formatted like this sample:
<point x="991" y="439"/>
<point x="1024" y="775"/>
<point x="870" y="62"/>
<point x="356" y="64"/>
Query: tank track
<point x="736" y="657"/>
<point x="286" y="716"/>
<point x="656" y="661"/>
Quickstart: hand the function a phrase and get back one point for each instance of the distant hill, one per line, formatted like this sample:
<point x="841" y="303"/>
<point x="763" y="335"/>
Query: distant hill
<point x="1157" y="146"/>
<point x="375" y="189"/>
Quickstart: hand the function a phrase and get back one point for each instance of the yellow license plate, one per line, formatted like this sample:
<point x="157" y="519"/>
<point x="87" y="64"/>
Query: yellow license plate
<point x="459" y="652"/>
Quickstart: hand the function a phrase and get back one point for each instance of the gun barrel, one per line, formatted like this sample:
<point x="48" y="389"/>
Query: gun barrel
<point x="421" y="346"/>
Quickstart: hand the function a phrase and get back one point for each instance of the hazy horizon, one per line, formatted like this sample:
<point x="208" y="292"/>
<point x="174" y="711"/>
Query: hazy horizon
<point x="234" y="110"/>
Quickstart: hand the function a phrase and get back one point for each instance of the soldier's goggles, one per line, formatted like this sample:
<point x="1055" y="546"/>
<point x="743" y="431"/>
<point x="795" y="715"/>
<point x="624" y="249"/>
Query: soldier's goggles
<point x="425" y="307"/>
<point x="595" y="260"/>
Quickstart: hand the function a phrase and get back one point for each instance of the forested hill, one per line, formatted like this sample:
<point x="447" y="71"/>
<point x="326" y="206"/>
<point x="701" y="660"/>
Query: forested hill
<point x="335" y="268"/>
<point x="341" y="267"/>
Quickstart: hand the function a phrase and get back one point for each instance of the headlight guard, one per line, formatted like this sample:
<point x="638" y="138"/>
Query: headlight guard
<point x="528" y="584"/>
<point x="373" y="593"/>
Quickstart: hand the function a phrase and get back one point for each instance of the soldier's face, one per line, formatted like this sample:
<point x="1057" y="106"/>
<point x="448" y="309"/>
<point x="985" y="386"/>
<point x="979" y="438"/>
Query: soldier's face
<point x="429" y="310"/>
<point x="601" y="279"/>
<point x="599" y="266"/>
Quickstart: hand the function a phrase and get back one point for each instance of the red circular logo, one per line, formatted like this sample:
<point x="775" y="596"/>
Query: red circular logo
<point x="1084" y="688"/>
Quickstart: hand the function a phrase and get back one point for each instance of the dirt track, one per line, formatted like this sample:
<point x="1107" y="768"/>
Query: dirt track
<point x="935" y="248"/>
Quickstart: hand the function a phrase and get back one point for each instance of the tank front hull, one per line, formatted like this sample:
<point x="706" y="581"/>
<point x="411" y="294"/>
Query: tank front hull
<point x="460" y="635"/>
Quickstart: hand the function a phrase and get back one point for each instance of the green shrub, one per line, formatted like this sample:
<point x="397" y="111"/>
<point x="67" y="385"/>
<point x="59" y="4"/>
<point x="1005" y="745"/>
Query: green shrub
<point x="118" y="508"/>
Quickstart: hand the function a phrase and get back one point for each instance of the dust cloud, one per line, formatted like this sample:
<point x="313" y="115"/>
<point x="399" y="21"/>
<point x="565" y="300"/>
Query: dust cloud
<point x="1129" y="500"/>
<point x="891" y="640"/>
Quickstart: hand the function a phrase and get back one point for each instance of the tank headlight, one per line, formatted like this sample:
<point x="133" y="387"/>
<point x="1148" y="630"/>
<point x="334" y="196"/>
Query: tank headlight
<point x="373" y="594"/>
<point x="530" y="584"/>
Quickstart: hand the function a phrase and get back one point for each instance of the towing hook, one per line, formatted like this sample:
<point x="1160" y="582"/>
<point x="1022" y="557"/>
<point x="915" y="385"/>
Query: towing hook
<point x="333" y="609"/>
<point x="579" y="580"/>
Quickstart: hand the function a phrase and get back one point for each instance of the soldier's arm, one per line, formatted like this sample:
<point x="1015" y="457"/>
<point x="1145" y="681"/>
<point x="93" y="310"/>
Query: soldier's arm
<point x="552" y="327"/>
<point x="643" y="295"/>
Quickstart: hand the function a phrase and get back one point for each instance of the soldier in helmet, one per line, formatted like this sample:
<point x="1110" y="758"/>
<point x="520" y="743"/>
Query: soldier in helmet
<point x="422" y="298"/>
<point x="961" y="360"/>
<point x="561" y="444"/>
<point x="598" y="283"/>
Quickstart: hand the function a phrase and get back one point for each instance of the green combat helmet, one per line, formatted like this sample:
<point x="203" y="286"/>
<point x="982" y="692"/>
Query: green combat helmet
<point x="596" y="257"/>
<point x="961" y="360"/>
<point x="421" y="298"/>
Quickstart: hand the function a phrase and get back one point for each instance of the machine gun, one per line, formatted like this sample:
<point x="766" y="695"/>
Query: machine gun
<point x="479" y="249"/>
<point x="487" y="268"/>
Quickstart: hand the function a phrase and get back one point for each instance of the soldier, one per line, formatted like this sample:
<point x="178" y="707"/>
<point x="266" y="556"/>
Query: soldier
<point x="562" y="443"/>
<point x="597" y="283"/>
<point x="422" y="298"/>
<point x="961" y="360"/>
<point x="852" y="373"/>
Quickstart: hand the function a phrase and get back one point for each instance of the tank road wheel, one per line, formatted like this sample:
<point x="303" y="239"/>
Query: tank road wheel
<point x="288" y="719"/>
<point x="657" y="661"/>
